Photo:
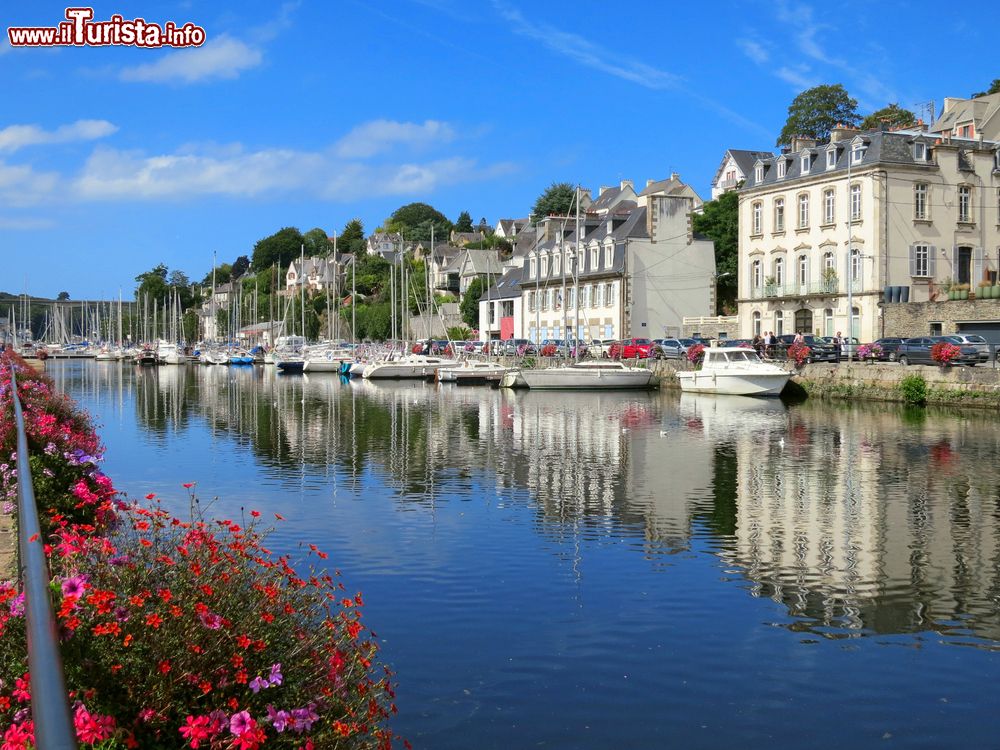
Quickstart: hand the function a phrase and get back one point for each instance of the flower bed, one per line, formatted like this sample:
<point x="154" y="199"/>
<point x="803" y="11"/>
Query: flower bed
<point x="178" y="633"/>
<point x="944" y="353"/>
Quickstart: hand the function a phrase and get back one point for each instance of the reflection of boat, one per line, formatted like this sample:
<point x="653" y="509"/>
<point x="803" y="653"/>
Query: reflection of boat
<point x="411" y="366"/>
<point x="592" y="374"/>
<point x="722" y="414"/>
<point x="470" y="372"/>
<point x="734" y="371"/>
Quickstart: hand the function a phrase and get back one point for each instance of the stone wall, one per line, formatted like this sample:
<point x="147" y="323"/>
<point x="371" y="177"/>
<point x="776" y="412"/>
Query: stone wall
<point x="914" y="318"/>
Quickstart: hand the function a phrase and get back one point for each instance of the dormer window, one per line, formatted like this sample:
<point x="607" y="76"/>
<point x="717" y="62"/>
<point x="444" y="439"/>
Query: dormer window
<point x="920" y="151"/>
<point x="781" y="168"/>
<point x="609" y="255"/>
<point x="594" y="258"/>
<point x="543" y="269"/>
<point x="858" y="151"/>
<point x="758" y="173"/>
<point x="532" y="266"/>
<point x="804" y="166"/>
<point x="831" y="158"/>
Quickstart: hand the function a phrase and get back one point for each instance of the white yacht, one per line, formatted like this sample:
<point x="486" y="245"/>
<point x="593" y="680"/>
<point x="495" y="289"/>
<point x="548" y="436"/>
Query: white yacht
<point x="326" y="358"/>
<point x="169" y="354"/>
<point x="410" y="366"/>
<point x="735" y="371"/>
<point x="587" y="375"/>
<point x="470" y="372"/>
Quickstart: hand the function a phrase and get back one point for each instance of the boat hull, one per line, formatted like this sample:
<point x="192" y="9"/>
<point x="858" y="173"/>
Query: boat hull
<point x="406" y="369"/>
<point x="569" y="378"/>
<point x="763" y="384"/>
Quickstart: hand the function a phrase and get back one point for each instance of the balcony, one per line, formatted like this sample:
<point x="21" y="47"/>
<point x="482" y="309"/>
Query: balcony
<point x="811" y="289"/>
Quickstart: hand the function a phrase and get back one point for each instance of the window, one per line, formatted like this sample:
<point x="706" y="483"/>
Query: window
<point x="546" y="299"/>
<point x="779" y="323"/>
<point x="756" y="323"/>
<point x="571" y="298"/>
<point x="829" y="261"/>
<point x="543" y="267"/>
<point x="829" y="206"/>
<point x="609" y="255"/>
<point x="920" y="260"/>
<point x="781" y="168"/>
<point x="964" y="203"/>
<point x="779" y="271"/>
<point x="532" y="301"/>
<point x="779" y="214"/>
<point x="855" y="202"/>
<point x="803" y="271"/>
<point x="609" y="294"/>
<point x="996" y="159"/>
<point x="828" y="322"/>
<point x="533" y="267"/>
<point x="804" y="163"/>
<point x="858" y="151"/>
<point x="965" y="131"/>
<point x="920" y="151"/>
<point x="803" y="211"/>
<point x="556" y="264"/>
<point x="758" y="173"/>
<point x="586" y="296"/>
<point x="855" y="265"/>
<point x="920" y="201"/>
<point x="756" y="275"/>
<point x="594" y="258"/>
<point x="831" y="158"/>
<point x="756" y="212"/>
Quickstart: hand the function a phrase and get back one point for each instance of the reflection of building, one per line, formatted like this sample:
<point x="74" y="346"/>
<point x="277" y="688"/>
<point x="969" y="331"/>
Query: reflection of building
<point x="853" y="532"/>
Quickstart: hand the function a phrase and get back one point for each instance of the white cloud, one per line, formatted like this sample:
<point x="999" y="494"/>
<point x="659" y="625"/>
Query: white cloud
<point x="229" y="170"/>
<point x="21" y="185"/>
<point x="754" y="50"/>
<point x="380" y="135"/>
<point x="798" y="77"/>
<point x="586" y="52"/>
<point x="15" y="137"/>
<point x="220" y="58"/>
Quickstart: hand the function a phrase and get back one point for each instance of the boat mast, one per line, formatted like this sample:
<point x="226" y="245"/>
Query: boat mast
<point x="577" y="260"/>
<point x="302" y="291"/>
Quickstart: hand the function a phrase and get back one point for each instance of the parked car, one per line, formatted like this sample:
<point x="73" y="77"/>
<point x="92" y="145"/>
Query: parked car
<point x="636" y="348"/>
<point x="513" y="347"/>
<point x="820" y="349"/>
<point x="917" y="351"/>
<point x="890" y="345"/>
<point x="602" y="348"/>
<point x="675" y="348"/>
<point x="972" y="339"/>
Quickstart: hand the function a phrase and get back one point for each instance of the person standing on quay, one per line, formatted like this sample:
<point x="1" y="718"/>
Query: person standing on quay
<point x="836" y="344"/>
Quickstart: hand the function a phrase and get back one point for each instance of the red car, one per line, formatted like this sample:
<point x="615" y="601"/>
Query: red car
<point x="636" y="348"/>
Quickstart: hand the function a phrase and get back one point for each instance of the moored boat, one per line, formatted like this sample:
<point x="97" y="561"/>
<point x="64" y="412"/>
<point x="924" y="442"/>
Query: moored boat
<point x="471" y="372"/>
<point x="588" y="375"/>
<point x="410" y="366"/>
<point x="734" y="371"/>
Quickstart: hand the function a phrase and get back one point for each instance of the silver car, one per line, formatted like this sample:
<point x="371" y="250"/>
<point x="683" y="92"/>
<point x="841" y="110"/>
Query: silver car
<point x="972" y="339"/>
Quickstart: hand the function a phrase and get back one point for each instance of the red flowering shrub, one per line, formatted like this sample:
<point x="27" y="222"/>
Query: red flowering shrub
<point x="944" y="353"/>
<point x="615" y="352"/>
<point x="180" y="633"/>
<point x="417" y="349"/>
<point x="549" y="350"/>
<point x="696" y="354"/>
<point x="799" y="353"/>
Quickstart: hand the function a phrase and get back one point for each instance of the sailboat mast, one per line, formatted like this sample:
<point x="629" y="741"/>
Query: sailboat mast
<point x="302" y="290"/>
<point x="577" y="260"/>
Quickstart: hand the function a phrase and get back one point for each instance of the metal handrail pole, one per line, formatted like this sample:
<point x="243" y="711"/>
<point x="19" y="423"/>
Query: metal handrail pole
<point x="49" y="703"/>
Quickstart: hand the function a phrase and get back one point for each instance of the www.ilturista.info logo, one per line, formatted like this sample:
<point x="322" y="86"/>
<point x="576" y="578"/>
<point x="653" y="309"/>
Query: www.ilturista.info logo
<point x="80" y="30"/>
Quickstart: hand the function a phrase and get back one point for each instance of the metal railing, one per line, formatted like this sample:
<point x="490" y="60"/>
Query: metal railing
<point x="49" y="701"/>
<point x="836" y="286"/>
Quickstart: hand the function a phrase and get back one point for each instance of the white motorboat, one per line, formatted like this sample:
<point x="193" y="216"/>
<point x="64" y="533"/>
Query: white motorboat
<point x="410" y="366"/>
<point x="734" y="371"/>
<point x="471" y="372"/>
<point x="587" y="375"/>
<point x="169" y="354"/>
<point x="326" y="359"/>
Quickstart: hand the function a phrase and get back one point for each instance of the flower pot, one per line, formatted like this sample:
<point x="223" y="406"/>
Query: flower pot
<point x="951" y="294"/>
<point x="964" y="294"/>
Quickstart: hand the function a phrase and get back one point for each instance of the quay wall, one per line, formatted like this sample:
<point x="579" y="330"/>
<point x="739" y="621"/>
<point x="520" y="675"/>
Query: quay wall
<point x="959" y="386"/>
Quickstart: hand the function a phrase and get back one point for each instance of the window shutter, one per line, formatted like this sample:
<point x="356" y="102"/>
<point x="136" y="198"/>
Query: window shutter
<point x="932" y="261"/>
<point x="977" y="265"/>
<point x="913" y="261"/>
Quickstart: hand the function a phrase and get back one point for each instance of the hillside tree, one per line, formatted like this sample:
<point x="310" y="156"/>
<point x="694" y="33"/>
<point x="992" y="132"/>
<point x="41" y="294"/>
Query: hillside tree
<point x="558" y="199"/>
<point x="891" y="115"/>
<point x="816" y="111"/>
<point x="720" y="222"/>
<point x="280" y="248"/>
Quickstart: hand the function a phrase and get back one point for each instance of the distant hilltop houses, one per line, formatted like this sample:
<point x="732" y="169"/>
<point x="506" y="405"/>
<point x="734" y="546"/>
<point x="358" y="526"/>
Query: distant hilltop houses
<point x="863" y="232"/>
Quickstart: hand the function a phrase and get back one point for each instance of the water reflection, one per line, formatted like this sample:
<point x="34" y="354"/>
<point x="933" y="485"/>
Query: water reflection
<point x="857" y="520"/>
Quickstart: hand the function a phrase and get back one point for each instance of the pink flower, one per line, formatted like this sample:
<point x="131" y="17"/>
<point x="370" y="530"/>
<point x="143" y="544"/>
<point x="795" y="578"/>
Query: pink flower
<point x="240" y="723"/>
<point x="196" y="729"/>
<point x="210" y="620"/>
<point x="74" y="586"/>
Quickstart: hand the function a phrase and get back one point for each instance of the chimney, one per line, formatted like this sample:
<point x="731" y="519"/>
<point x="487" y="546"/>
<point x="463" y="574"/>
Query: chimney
<point x="649" y="182"/>
<point x="675" y="177"/>
<point x="950" y="102"/>
<point x="800" y="142"/>
<point x="604" y="189"/>
<point x="626" y="183"/>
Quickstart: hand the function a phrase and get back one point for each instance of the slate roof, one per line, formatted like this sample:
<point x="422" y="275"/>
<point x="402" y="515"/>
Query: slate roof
<point x="981" y="110"/>
<point x="881" y="148"/>
<point x="508" y="287"/>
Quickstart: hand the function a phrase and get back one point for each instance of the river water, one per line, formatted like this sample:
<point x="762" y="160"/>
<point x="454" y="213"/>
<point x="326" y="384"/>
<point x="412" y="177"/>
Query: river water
<point x="611" y="570"/>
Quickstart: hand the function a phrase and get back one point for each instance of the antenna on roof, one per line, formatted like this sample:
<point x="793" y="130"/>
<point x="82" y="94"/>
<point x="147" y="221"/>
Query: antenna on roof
<point x="925" y="108"/>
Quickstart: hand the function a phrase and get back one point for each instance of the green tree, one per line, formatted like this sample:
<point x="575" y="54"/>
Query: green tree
<point x="557" y="199"/>
<point x="892" y="115"/>
<point x="317" y="243"/>
<point x="470" y="302"/>
<point x="280" y="248"/>
<point x="352" y="238"/>
<point x="63" y="296"/>
<point x="153" y="284"/>
<point x="240" y="266"/>
<point x="993" y="89"/>
<point x="464" y="223"/>
<point x="414" y="220"/>
<point x="814" y="112"/>
<point x="720" y="222"/>
<point x="223" y="275"/>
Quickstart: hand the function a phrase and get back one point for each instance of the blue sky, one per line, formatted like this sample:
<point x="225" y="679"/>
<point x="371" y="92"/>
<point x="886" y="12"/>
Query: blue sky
<point x="306" y="114"/>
